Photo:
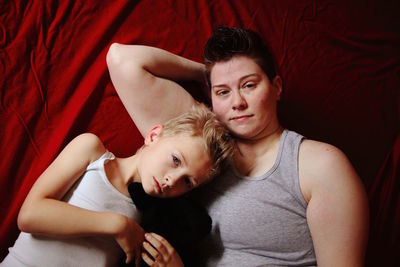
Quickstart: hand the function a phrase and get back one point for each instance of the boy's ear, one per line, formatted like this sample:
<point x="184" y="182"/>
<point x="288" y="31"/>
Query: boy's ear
<point x="153" y="134"/>
<point x="277" y="83"/>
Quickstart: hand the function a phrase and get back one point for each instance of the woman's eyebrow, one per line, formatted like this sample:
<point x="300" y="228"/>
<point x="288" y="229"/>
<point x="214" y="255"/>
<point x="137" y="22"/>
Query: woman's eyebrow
<point x="240" y="80"/>
<point x="218" y="85"/>
<point x="249" y="75"/>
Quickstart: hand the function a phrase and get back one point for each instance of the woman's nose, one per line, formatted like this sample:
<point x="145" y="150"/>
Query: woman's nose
<point x="238" y="102"/>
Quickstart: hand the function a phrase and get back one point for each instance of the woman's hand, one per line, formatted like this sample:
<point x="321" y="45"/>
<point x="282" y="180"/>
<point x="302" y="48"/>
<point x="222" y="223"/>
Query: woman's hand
<point x="158" y="252"/>
<point x="129" y="236"/>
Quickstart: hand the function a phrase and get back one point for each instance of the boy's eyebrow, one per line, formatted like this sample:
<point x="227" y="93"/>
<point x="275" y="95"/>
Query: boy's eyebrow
<point x="183" y="158"/>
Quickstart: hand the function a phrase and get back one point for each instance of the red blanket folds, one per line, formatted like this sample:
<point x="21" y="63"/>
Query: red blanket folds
<point x="340" y="64"/>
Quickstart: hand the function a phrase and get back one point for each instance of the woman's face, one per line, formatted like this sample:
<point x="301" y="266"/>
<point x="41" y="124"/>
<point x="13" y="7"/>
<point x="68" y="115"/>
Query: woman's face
<point x="243" y="98"/>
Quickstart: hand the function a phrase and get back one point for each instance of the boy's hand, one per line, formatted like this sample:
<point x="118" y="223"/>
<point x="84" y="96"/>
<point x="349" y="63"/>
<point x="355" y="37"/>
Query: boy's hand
<point x="130" y="236"/>
<point x="160" y="253"/>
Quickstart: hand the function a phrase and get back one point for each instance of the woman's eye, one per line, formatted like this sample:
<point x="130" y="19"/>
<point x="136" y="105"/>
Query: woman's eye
<point x="249" y="85"/>
<point x="175" y="160"/>
<point x="222" y="92"/>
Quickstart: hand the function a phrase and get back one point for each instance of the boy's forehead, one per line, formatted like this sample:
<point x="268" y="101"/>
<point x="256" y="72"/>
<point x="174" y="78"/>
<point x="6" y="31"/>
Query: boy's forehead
<point x="191" y="142"/>
<point x="193" y="147"/>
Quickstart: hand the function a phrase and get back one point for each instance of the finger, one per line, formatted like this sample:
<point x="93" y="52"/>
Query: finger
<point x="157" y="236"/>
<point x="153" y="240"/>
<point x="147" y="259"/>
<point x="150" y="250"/>
<point x="162" y="252"/>
<point x="163" y="241"/>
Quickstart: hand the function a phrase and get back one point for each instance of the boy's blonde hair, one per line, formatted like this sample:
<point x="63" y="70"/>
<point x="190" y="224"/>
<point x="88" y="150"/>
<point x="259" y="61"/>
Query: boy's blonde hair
<point x="201" y="122"/>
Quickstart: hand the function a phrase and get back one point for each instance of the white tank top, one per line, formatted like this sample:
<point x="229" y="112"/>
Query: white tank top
<point x="92" y="191"/>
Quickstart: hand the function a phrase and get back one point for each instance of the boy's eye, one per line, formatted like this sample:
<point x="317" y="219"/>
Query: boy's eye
<point x="188" y="182"/>
<point x="175" y="160"/>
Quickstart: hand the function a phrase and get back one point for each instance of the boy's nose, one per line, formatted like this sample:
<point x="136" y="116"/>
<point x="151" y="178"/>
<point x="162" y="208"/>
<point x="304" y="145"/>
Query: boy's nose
<point x="170" y="180"/>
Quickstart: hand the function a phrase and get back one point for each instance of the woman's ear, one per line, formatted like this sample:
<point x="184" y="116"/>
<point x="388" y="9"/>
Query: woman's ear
<point x="277" y="83"/>
<point x="153" y="134"/>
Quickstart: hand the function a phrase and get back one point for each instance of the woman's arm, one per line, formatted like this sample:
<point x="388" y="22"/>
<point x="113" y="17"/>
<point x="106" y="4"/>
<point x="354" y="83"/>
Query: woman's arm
<point x="337" y="211"/>
<point x="44" y="213"/>
<point x="144" y="78"/>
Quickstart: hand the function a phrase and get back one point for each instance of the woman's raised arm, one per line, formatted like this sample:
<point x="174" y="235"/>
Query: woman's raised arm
<point x="144" y="78"/>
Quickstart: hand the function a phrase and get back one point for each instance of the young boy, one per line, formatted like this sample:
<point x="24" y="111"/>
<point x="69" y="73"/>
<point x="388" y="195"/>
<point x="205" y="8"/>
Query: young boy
<point x="79" y="213"/>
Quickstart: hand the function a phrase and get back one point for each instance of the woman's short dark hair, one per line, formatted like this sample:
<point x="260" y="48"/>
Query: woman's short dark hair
<point x="228" y="42"/>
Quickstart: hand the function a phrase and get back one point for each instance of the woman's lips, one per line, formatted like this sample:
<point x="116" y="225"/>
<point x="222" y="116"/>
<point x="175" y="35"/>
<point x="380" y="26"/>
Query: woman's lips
<point x="241" y="118"/>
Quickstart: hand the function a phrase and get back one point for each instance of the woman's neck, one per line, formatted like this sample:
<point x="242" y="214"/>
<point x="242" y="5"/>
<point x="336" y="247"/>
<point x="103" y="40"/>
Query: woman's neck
<point x="255" y="157"/>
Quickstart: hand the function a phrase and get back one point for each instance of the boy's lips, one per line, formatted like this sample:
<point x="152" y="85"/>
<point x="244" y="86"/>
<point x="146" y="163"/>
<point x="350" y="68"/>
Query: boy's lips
<point x="157" y="185"/>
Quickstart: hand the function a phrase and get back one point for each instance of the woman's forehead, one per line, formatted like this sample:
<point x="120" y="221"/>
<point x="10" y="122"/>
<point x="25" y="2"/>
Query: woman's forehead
<point x="233" y="68"/>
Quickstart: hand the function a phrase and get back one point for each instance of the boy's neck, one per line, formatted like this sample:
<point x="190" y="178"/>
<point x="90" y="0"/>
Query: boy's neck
<point x="121" y="172"/>
<point x="127" y="167"/>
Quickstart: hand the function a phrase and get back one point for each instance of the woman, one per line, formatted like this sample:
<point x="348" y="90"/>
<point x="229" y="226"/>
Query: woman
<point x="286" y="200"/>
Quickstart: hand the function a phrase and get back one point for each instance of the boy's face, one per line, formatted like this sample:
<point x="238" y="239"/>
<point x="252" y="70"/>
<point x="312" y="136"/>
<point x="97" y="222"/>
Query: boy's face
<point x="243" y="98"/>
<point x="171" y="166"/>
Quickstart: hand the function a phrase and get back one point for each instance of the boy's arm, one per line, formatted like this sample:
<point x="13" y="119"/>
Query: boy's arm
<point x="44" y="213"/>
<point x="144" y="78"/>
<point x="337" y="211"/>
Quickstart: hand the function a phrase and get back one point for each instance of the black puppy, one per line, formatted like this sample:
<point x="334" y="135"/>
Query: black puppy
<point x="179" y="220"/>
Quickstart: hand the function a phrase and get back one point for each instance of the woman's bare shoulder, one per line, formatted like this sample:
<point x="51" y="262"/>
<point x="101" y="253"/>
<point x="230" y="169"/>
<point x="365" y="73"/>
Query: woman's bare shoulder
<point x="322" y="165"/>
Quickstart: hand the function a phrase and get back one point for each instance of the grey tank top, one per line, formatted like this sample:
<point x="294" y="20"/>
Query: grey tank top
<point x="259" y="221"/>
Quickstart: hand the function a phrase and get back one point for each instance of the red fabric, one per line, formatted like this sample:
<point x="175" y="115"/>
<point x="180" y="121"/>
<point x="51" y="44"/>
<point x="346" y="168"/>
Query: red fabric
<point x="340" y="63"/>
